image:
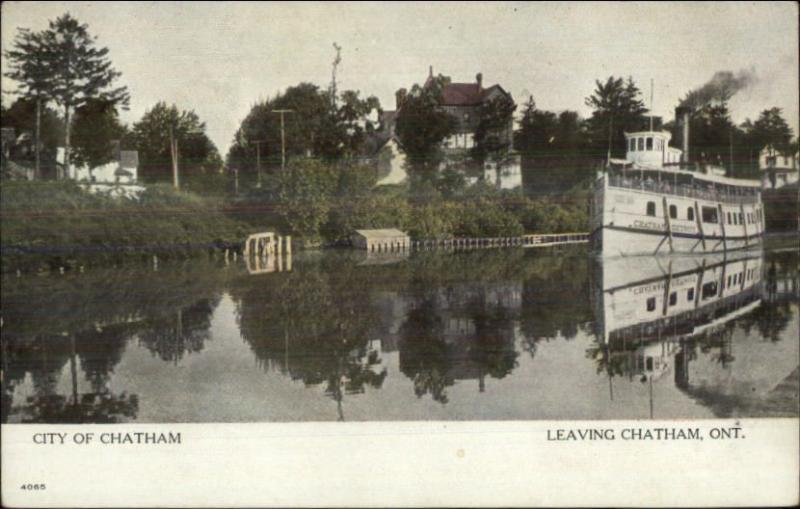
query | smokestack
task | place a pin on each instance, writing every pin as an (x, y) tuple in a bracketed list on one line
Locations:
[(479, 80), (430, 71), (682, 114)]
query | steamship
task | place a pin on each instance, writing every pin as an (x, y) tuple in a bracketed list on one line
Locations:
[(655, 201)]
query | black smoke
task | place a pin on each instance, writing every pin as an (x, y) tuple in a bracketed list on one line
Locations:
[(722, 86)]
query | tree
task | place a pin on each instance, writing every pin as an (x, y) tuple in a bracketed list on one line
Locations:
[(422, 126), (617, 108), (771, 129), (79, 72), (95, 129), (320, 127), (22, 116), (29, 66), (151, 135), (553, 149), (493, 134), (304, 195)]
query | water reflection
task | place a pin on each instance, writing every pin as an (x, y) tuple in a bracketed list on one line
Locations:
[(685, 319), (488, 334)]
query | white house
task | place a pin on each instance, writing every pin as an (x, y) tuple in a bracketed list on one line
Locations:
[(778, 169), (117, 177)]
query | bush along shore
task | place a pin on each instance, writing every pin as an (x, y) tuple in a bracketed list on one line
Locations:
[(55, 225), (49, 225)]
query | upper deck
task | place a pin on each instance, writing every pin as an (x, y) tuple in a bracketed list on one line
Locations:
[(652, 165)]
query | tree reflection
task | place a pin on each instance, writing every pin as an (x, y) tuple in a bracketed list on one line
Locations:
[(314, 324), (461, 333), (182, 332)]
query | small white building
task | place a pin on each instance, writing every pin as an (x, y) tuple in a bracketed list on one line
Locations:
[(778, 169), (383, 240)]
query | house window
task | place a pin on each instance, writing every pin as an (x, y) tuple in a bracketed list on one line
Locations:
[(709, 215), (641, 143), (673, 298), (690, 294), (673, 212), (690, 214), (651, 208), (649, 143), (651, 304), (632, 145)]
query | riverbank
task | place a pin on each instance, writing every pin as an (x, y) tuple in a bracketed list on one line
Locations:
[(50, 225), (58, 225)]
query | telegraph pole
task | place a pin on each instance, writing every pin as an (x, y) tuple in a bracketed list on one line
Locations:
[(283, 137), (258, 160)]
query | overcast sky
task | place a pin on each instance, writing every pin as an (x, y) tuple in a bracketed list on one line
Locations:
[(219, 58)]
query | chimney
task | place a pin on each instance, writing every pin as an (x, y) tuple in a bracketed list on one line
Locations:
[(479, 79), (399, 98), (682, 114)]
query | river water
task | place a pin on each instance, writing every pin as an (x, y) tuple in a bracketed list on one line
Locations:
[(339, 335)]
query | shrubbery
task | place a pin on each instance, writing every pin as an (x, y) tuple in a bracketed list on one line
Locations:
[(58, 223)]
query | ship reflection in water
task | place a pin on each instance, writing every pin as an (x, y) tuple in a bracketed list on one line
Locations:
[(484, 335), (687, 319)]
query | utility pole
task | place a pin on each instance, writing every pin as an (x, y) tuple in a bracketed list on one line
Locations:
[(283, 137), (173, 151), (258, 161)]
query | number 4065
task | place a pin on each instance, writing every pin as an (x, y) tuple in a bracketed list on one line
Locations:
[(33, 487)]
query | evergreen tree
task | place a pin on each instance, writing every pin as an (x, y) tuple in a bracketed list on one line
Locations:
[(80, 71)]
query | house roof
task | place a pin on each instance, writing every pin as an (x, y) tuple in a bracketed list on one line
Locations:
[(382, 233), (461, 94)]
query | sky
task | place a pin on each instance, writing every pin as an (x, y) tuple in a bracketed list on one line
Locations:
[(219, 58)]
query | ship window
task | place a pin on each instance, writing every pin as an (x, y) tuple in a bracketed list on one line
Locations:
[(649, 143), (651, 304), (729, 218), (673, 212), (709, 215), (649, 364), (633, 145), (709, 290), (651, 208), (729, 281), (741, 218), (690, 295), (735, 218), (673, 298), (641, 143), (690, 214)]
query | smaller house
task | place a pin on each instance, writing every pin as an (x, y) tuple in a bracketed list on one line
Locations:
[(383, 240), (778, 169)]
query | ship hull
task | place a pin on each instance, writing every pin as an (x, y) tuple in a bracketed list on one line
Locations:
[(633, 222)]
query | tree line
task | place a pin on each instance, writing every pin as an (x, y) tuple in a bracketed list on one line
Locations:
[(69, 95)]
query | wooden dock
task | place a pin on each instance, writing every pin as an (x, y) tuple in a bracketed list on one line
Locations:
[(532, 240)]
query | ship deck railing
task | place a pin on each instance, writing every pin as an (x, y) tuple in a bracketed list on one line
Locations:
[(683, 190)]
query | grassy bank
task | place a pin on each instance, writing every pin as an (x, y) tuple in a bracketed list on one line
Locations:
[(47, 225)]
